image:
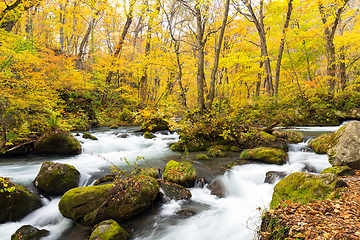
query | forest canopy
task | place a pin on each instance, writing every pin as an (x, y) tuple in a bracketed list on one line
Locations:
[(74, 64)]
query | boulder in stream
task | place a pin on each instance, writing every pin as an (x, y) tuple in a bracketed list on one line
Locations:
[(56, 178), (339, 171), (58, 142), (16, 201), (266, 155), (87, 135), (172, 191), (217, 188), (28, 232), (273, 176), (109, 230), (320, 144), (304, 187), (120, 200), (344, 146), (182, 173), (289, 136)]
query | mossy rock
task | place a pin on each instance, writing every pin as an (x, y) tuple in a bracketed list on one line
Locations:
[(114, 126), (121, 200), (202, 157), (16, 201), (320, 144), (151, 172), (56, 178), (109, 230), (339, 171), (190, 146), (289, 136), (266, 155), (213, 152), (28, 232), (182, 173), (294, 136), (58, 142), (235, 149), (87, 135), (173, 191), (305, 187), (149, 135), (155, 124)]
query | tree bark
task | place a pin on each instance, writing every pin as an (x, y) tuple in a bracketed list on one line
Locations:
[(211, 95), (281, 48), (118, 47)]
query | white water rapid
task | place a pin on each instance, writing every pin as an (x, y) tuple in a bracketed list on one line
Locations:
[(237, 216)]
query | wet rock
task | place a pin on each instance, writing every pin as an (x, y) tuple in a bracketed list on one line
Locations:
[(306, 149), (171, 191), (216, 188), (56, 178), (344, 146), (78, 232), (266, 155), (120, 200), (16, 201), (58, 142), (304, 187), (87, 135), (273, 142), (308, 168), (114, 126), (289, 136), (123, 135), (106, 179), (109, 230), (28, 232), (273, 176), (186, 213), (339, 171), (21, 149), (182, 173)]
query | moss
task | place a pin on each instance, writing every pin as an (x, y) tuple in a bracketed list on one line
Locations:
[(108, 178), (149, 135), (109, 230), (294, 136), (272, 227), (87, 135), (268, 137), (28, 232), (304, 187), (190, 146), (155, 124), (16, 201), (216, 153), (58, 142), (182, 173), (267, 155), (114, 126), (235, 149), (151, 172), (339, 171), (321, 143), (202, 157), (335, 137)]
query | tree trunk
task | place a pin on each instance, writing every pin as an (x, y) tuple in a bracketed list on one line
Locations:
[(211, 95), (129, 19), (281, 48), (200, 44)]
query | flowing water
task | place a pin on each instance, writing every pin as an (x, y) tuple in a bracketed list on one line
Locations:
[(236, 216)]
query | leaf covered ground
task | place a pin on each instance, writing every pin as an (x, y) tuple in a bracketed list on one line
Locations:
[(337, 219)]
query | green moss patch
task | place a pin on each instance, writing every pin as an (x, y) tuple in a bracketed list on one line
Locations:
[(202, 157), (182, 173), (149, 135), (339, 171), (266, 155), (294, 136), (321, 143), (305, 187), (87, 135), (58, 142), (109, 230)]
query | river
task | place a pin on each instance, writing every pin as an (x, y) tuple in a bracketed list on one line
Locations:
[(236, 216)]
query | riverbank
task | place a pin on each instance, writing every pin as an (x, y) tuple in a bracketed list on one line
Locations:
[(330, 219)]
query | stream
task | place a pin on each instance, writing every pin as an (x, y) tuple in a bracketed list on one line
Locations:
[(236, 216)]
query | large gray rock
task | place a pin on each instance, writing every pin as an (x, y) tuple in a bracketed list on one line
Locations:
[(109, 230), (120, 200), (56, 178), (344, 146), (15, 201), (172, 191)]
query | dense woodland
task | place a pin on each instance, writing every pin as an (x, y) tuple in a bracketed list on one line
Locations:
[(73, 64)]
